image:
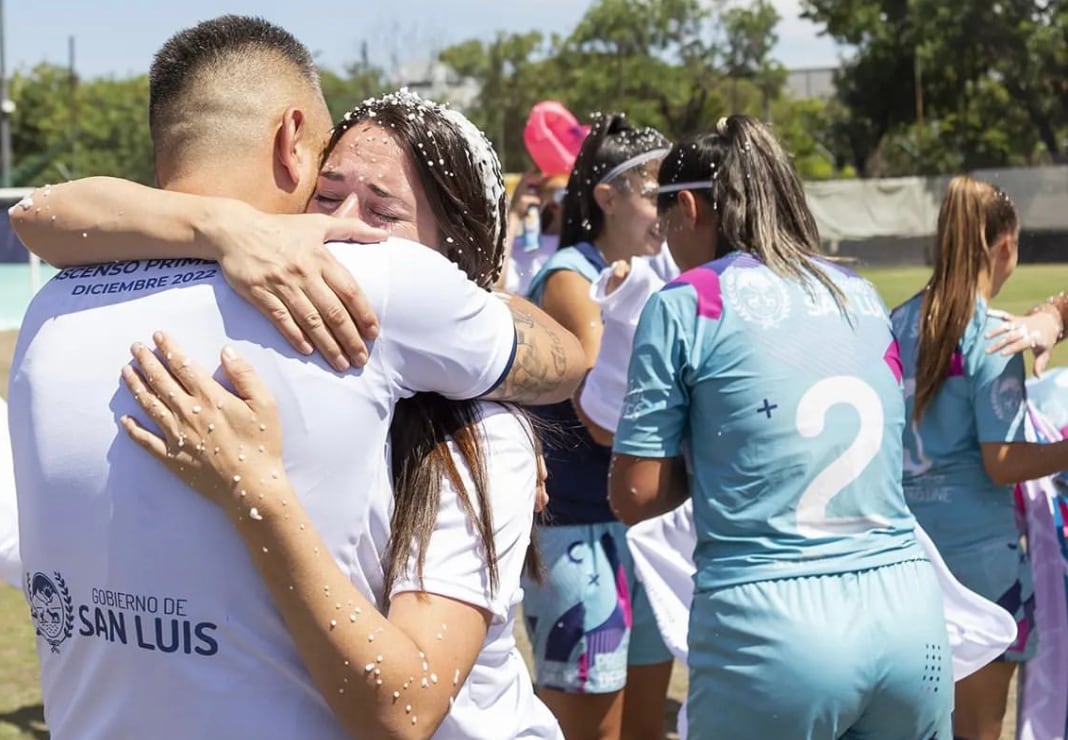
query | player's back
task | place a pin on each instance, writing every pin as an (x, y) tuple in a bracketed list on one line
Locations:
[(152, 619), (982, 399), (795, 423)]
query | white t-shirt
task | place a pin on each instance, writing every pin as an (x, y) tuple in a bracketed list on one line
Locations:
[(497, 701), (152, 619), (663, 264), (10, 568), (606, 385), (523, 265)]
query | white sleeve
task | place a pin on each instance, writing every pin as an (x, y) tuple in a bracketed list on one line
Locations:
[(442, 332), (10, 565), (456, 565), (606, 385), (663, 264)]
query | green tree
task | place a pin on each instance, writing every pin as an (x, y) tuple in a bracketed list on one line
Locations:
[(514, 74), (1022, 44), (63, 128), (749, 38), (359, 80), (940, 87), (658, 60), (677, 65)]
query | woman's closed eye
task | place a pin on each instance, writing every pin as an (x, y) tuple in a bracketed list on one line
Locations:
[(383, 216), (328, 201)]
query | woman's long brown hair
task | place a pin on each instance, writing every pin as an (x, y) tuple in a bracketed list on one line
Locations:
[(424, 424), (975, 215)]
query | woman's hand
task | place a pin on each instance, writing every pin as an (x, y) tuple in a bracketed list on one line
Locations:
[(1038, 332), (212, 439), (279, 265)]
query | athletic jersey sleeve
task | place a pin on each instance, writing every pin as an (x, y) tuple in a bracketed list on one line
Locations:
[(656, 407), (996, 384), (442, 332), (456, 563)]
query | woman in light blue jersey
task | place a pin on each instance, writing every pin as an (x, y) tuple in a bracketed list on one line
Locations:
[(964, 444), (765, 384), (590, 623)]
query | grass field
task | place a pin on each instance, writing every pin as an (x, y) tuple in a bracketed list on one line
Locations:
[(21, 716)]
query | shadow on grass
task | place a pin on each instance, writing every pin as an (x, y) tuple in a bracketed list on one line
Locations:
[(29, 719)]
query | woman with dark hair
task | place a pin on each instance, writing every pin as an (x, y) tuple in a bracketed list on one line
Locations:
[(965, 446), (589, 622), (764, 383), (443, 562)]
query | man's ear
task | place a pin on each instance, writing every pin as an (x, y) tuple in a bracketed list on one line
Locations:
[(291, 145)]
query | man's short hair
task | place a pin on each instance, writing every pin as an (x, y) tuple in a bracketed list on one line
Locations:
[(230, 50)]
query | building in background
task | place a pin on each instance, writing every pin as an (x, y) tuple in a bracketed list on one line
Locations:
[(814, 82), (435, 80)]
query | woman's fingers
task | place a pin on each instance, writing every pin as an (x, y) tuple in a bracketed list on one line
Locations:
[(1041, 362), (157, 378), (247, 384), (146, 439), (197, 383), (349, 292), (310, 319), (271, 306), (338, 227), (158, 411)]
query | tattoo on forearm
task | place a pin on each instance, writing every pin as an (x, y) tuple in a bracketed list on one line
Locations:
[(540, 361)]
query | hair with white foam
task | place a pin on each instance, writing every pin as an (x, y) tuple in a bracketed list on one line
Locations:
[(478, 147), (460, 174), (485, 158)]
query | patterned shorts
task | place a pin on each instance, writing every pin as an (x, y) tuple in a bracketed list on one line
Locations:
[(590, 619)]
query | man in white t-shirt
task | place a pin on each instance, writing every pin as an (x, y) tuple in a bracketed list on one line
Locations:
[(151, 619)]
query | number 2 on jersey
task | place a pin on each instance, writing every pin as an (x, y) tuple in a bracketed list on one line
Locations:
[(812, 518)]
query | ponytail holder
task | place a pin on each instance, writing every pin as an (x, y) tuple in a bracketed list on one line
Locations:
[(721, 126)]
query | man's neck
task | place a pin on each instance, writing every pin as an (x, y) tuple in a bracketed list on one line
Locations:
[(242, 188)]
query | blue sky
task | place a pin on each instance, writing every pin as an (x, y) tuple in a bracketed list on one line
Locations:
[(118, 37)]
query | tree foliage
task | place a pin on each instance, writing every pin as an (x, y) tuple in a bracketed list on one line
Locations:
[(63, 127), (926, 86), (677, 65), (943, 87)]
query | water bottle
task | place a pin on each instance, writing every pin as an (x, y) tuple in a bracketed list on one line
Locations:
[(532, 228)]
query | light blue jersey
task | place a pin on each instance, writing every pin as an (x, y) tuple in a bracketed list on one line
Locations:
[(792, 416), (981, 400)]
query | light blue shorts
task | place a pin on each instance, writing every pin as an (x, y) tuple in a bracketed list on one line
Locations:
[(854, 655), (1001, 572), (590, 619)]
